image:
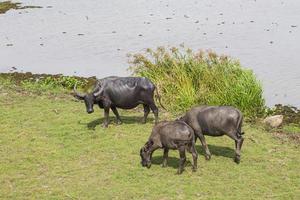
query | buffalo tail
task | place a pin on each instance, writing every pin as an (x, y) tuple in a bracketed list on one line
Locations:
[(159, 98)]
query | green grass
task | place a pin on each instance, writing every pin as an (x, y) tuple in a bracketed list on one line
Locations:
[(291, 128), (51, 149), (186, 78)]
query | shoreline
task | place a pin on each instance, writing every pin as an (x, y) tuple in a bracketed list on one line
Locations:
[(291, 113)]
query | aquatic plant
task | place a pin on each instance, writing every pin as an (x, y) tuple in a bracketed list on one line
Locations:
[(186, 78), (7, 5)]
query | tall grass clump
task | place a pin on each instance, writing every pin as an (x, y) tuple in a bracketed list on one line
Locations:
[(186, 78)]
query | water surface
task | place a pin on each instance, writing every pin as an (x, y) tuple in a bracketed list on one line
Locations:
[(93, 37)]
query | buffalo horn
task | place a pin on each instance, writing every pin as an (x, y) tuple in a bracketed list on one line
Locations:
[(77, 93)]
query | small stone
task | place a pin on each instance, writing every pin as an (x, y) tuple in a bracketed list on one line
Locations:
[(273, 121)]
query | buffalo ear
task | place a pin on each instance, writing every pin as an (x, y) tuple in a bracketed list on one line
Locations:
[(148, 145)]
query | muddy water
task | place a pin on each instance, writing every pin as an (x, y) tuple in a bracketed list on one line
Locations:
[(92, 37)]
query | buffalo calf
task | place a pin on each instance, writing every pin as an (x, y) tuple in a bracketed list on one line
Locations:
[(170, 135)]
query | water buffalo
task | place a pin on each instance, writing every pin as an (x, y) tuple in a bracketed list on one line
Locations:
[(121, 92), (170, 135), (216, 121)]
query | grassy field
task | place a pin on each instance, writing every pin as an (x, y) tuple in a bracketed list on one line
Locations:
[(51, 149)]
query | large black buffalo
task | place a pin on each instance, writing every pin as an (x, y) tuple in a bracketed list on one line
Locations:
[(216, 121), (170, 135), (121, 92)]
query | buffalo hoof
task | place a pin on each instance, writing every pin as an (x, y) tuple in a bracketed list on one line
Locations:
[(104, 125), (179, 171), (194, 169), (144, 121), (207, 157), (164, 165), (237, 159), (119, 122)]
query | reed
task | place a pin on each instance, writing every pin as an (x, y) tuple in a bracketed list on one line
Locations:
[(186, 78)]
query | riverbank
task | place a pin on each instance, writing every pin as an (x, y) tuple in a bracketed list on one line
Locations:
[(59, 84), (51, 149)]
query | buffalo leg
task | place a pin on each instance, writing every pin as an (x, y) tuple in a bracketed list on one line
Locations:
[(155, 111), (115, 111), (204, 145), (165, 158), (238, 145), (106, 117), (195, 156), (182, 158), (146, 112)]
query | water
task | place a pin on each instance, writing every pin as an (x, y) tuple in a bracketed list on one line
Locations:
[(93, 37)]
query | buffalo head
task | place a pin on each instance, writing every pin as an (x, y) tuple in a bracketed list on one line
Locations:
[(146, 154), (89, 100)]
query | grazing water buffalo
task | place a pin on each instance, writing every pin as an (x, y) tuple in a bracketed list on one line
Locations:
[(170, 135), (216, 121), (121, 92)]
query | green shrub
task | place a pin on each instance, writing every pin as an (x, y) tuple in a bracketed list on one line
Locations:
[(186, 78)]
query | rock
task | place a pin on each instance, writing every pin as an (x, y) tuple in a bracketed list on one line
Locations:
[(273, 121)]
